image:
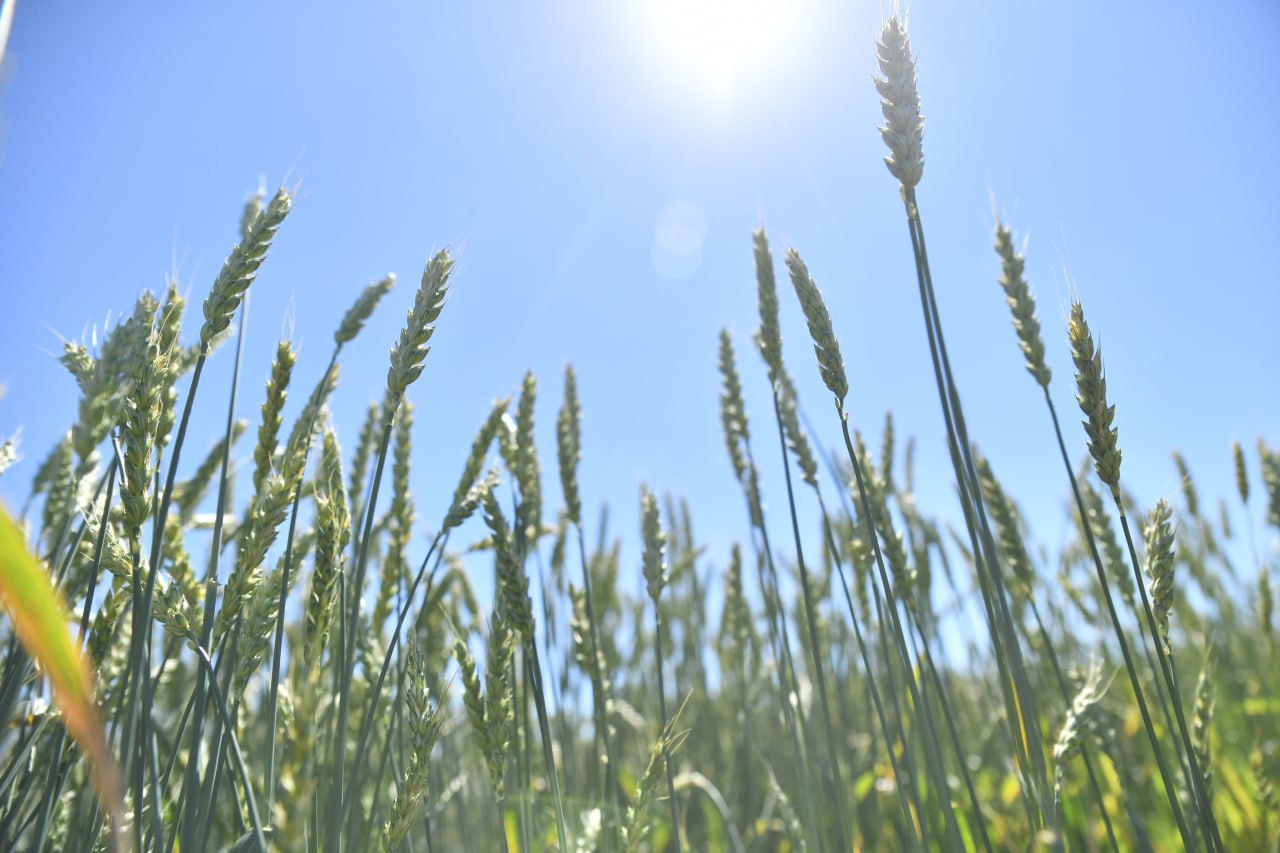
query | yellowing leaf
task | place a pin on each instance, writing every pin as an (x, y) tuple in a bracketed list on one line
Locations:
[(40, 620)]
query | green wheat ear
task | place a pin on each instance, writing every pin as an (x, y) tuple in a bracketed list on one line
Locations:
[(241, 267), (733, 412), (1159, 564), (569, 445), (1202, 721), (825, 345), (655, 545), (362, 309), (1092, 396), (409, 354), (769, 337), (1022, 304), (903, 130), (277, 391), (1242, 471)]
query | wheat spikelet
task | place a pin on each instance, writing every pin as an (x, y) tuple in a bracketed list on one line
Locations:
[(1022, 305), (1092, 396), (1189, 493), (1083, 720), (272, 406), (569, 445), (513, 583), (362, 309), (333, 532), (524, 461), (79, 362), (1158, 565), (733, 412), (169, 326), (1271, 480), (410, 351), (258, 626), (1242, 472), (142, 420), (769, 336), (886, 453), (1008, 529), (654, 560), (240, 269), (425, 726), (903, 130), (251, 211), (637, 824), (825, 345), (1202, 720)]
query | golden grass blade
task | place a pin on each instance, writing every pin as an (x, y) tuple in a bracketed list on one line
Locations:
[(40, 619)]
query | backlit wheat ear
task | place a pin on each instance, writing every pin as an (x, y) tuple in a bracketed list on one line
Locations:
[(733, 413), (240, 268), (277, 391), (735, 622), (655, 545), (1187, 484), (143, 406), (362, 309), (769, 339), (425, 725), (527, 470), (1158, 538), (1008, 529), (169, 327), (333, 532), (410, 351), (1023, 306), (1082, 720), (1202, 720), (903, 130), (569, 445), (256, 630), (1271, 480), (513, 583), (1092, 396), (825, 345), (1242, 472)]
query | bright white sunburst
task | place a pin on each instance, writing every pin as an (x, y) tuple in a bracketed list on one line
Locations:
[(717, 47)]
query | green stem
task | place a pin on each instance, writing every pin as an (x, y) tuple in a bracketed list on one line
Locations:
[(838, 794), (932, 755), (662, 730)]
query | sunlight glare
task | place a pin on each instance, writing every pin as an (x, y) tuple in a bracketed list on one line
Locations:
[(716, 47)]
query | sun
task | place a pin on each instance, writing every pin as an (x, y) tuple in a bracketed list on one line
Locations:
[(717, 48)]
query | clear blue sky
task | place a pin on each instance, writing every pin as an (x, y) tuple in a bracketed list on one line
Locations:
[(599, 170)]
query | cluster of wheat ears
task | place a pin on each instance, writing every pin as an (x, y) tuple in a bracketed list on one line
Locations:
[(292, 671)]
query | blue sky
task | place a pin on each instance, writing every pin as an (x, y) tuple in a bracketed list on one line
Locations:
[(599, 168)]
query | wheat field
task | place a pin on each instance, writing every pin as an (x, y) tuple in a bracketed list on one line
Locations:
[(266, 644)]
